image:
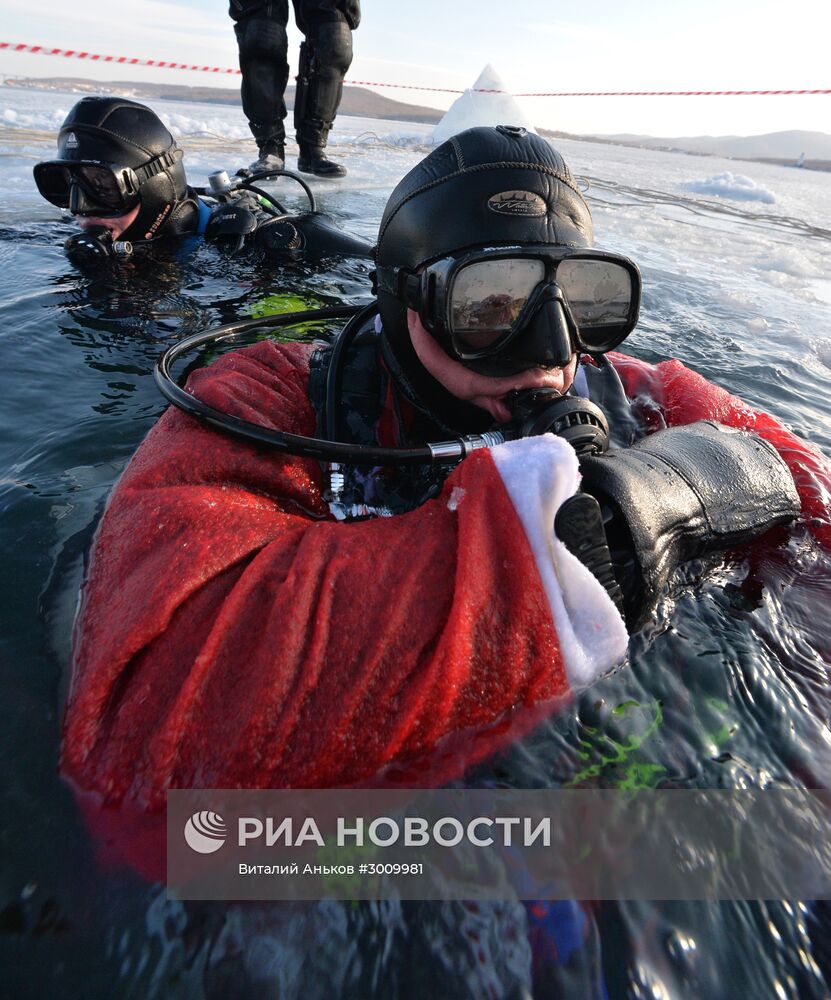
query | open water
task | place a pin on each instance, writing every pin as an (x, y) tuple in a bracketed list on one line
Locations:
[(729, 686)]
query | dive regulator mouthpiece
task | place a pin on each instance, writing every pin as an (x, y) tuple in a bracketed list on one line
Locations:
[(95, 244), (573, 418)]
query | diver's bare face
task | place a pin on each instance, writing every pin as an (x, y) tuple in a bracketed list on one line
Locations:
[(484, 391), (118, 225)]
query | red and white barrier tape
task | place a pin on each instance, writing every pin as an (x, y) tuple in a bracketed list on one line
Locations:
[(673, 93), (43, 50), (165, 64)]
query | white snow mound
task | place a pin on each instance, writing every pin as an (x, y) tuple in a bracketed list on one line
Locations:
[(735, 186), (487, 102)]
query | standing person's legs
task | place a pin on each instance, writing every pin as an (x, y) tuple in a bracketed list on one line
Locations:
[(263, 45), (325, 56)]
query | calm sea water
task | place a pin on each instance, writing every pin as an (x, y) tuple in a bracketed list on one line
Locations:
[(728, 688)]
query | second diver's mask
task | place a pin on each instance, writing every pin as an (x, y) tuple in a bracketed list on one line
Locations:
[(90, 187), (502, 310)]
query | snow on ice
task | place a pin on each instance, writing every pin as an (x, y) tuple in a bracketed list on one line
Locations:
[(735, 186)]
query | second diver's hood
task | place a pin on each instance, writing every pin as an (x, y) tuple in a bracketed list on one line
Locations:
[(123, 133)]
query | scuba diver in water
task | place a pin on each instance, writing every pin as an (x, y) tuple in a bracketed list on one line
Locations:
[(120, 173), (225, 598), (375, 610), (325, 56)]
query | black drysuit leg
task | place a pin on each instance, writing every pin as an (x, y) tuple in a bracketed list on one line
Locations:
[(263, 47), (325, 57)]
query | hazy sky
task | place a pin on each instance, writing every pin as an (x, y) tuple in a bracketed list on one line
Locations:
[(535, 45)]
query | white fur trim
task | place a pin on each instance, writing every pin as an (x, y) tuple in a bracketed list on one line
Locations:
[(539, 473)]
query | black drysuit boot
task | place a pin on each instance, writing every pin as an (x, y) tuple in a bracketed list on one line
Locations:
[(313, 160)]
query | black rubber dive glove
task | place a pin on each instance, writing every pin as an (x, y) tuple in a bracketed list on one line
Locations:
[(679, 494)]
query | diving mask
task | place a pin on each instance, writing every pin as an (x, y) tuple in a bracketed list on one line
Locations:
[(92, 187), (486, 304)]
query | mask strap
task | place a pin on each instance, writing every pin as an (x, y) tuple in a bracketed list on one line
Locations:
[(158, 164), (400, 283)]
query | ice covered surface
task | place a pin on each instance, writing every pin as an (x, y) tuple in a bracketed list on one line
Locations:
[(478, 106), (735, 186), (46, 118)]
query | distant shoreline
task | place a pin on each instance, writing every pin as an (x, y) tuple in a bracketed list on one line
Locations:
[(824, 165), (359, 102)]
